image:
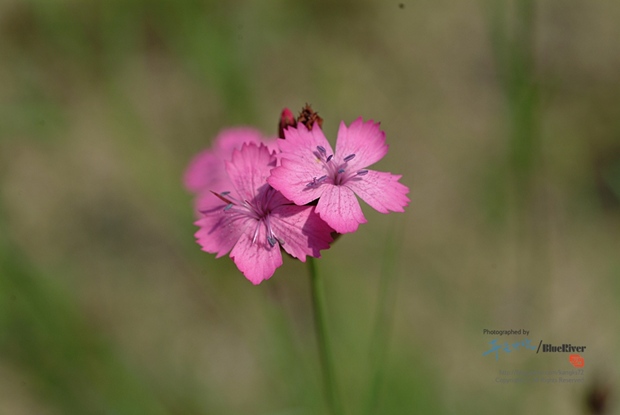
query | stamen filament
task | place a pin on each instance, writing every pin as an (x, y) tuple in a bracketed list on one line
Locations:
[(222, 198), (256, 232)]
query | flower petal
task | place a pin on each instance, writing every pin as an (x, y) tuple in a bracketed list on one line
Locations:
[(254, 257), (364, 139), (204, 200), (248, 170), (380, 190), (292, 179), (202, 171), (207, 168), (339, 207), (301, 230), (300, 144), (219, 231)]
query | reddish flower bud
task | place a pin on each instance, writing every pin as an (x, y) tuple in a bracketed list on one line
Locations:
[(287, 119)]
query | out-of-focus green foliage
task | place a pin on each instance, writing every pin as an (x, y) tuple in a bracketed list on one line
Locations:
[(502, 117)]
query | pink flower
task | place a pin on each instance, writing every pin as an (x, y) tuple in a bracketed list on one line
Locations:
[(252, 220), (310, 170), (207, 171)]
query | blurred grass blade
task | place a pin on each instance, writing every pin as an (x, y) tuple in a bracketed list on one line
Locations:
[(380, 338)]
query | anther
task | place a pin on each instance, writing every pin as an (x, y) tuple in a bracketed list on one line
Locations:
[(226, 193), (321, 150), (340, 171), (362, 172), (329, 158), (349, 157), (271, 240), (228, 207), (316, 181)]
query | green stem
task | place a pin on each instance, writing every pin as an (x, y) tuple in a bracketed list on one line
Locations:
[(318, 308)]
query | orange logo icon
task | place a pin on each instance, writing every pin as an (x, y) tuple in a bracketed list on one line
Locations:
[(576, 360)]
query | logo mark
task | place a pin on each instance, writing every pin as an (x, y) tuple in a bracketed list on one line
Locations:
[(576, 360)]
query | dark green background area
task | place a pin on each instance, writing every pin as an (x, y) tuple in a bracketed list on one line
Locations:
[(503, 117)]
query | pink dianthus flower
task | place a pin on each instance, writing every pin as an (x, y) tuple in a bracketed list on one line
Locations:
[(253, 221), (310, 170)]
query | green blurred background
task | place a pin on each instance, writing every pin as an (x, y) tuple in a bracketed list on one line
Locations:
[(503, 118)]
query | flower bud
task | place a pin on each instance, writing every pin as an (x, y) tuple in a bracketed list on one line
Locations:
[(287, 119)]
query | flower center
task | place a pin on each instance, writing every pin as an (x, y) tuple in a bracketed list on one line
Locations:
[(336, 173), (257, 210)]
